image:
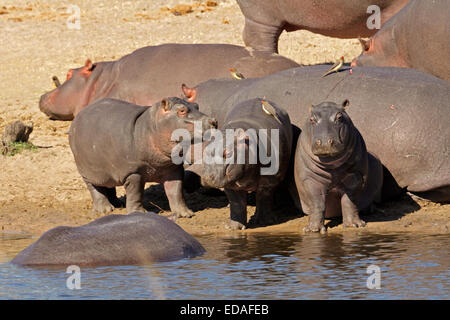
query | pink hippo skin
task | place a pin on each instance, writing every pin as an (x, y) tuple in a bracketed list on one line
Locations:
[(151, 73), (417, 37), (266, 19)]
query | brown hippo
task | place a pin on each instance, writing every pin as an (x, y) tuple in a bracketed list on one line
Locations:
[(136, 238), (401, 113), (417, 37), (334, 173), (266, 19), (149, 74), (117, 143)]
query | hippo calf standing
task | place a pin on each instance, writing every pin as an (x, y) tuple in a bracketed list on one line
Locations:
[(116, 143), (333, 169), (136, 238), (256, 158), (414, 38)]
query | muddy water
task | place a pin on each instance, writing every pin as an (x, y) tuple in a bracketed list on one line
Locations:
[(255, 266)]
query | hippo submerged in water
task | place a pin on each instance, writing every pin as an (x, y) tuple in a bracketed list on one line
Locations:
[(116, 143), (266, 19), (417, 37), (136, 238), (334, 173), (401, 113), (149, 74)]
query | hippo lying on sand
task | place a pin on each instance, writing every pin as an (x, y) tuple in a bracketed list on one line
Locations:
[(417, 37), (151, 73), (334, 173), (136, 238), (262, 142), (266, 19), (116, 143), (401, 113)]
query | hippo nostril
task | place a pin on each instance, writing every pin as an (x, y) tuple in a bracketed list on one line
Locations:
[(330, 141), (318, 142)]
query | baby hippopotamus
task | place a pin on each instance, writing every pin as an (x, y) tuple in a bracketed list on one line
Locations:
[(117, 143), (253, 156), (334, 173)]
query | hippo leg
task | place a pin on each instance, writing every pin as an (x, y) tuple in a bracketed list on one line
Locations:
[(101, 198), (174, 191), (238, 209), (260, 36), (134, 188), (313, 200), (350, 215), (264, 204)]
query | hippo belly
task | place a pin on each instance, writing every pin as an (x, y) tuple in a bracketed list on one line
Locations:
[(265, 20), (136, 238)]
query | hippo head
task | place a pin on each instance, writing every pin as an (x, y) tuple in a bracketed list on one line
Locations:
[(329, 129), (176, 120), (376, 52), (66, 100), (226, 162)]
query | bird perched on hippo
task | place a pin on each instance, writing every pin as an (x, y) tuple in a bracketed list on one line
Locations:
[(149, 74)]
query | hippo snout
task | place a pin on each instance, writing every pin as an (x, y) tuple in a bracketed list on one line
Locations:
[(45, 107), (326, 147)]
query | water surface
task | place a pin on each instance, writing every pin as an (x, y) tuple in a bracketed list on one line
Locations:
[(254, 266)]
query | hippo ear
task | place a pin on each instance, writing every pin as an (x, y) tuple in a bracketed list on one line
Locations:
[(165, 104), (345, 104), (88, 67), (190, 93), (311, 107), (364, 44)]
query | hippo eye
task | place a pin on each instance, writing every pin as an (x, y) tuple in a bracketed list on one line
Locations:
[(313, 120), (338, 117), (182, 111)]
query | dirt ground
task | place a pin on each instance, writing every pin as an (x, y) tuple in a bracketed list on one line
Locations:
[(42, 189)]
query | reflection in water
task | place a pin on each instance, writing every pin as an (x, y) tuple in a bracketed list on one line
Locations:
[(255, 266)]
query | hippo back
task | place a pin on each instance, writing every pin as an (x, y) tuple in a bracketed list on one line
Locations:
[(401, 113), (136, 238)]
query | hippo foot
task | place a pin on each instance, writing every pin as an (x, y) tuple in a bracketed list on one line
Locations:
[(102, 206), (234, 225), (256, 221), (185, 213), (137, 209), (355, 223), (315, 228)]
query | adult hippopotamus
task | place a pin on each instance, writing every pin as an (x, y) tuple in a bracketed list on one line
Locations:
[(266, 19), (151, 73), (250, 153), (334, 173), (414, 38), (401, 113), (136, 238), (117, 143)]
